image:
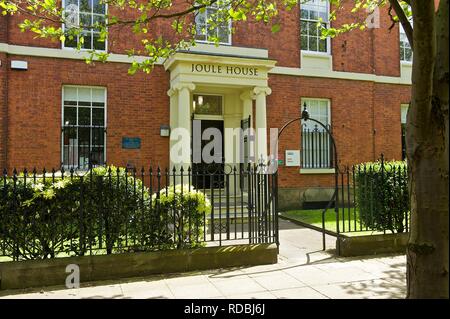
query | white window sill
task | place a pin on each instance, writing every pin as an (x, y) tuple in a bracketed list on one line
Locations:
[(228, 49), (317, 170), (316, 54), (316, 61), (213, 43), (82, 49)]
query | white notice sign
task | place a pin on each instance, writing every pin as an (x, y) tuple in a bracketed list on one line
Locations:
[(292, 157)]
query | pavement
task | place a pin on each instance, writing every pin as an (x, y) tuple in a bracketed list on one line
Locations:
[(303, 271)]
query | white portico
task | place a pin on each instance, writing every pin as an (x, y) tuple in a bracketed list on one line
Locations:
[(229, 84)]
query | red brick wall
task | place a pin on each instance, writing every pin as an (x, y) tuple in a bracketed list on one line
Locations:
[(136, 107), (357, 109), (370, 51), (283, 46), (387, 118), (374, 50)]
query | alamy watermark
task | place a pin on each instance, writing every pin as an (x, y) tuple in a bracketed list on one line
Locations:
[(73, 279)]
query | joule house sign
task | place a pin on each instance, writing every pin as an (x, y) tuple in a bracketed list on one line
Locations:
[(223, 69)]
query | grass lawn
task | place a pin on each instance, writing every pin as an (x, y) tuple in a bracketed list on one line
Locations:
[(314, 218)]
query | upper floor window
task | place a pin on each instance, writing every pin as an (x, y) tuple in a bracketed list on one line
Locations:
[(89, 15), (314, 15), (316, 145), (210, 25), (405, 48), (83, 127)]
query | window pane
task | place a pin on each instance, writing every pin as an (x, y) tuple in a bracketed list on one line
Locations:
[(98, 20), (84, 94), (97, 157), (70, 135), (70, 93), (304, 14), (208, 104), (223, 34), (408, 55), (85, 19), (98, 95), (84, 137), (85, 5), (98, 117), (98, 137), (84, 116), (87, 44), (312, 28), (99, 7), (70, 43), (322, 45), (98, 44), (70, 116), (313, 43), (304, 43), (304, 27)]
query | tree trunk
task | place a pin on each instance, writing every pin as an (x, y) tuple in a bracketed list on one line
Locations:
[(427, 153)]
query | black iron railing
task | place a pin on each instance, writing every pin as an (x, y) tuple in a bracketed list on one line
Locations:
[(372, 197), (83, 146), (316, 147), (107, 210)]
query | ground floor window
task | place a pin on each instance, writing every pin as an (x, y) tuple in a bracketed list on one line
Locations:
[(404, 111), (316, 142), (83, 127)]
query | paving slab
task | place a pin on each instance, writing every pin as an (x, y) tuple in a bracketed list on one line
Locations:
[(303, 271)]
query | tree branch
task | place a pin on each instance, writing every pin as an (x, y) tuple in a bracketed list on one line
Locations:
[(403, 20), (166, 16)]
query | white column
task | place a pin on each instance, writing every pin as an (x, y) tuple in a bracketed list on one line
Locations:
[(173, 95), (261, 122), (247, 104), (183, 109)]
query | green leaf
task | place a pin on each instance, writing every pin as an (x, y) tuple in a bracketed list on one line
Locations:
[(275, 28)]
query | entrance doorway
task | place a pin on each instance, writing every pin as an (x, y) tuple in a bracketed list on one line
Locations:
[(210, 174)]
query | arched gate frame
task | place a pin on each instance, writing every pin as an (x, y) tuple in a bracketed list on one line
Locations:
[(335, 198)]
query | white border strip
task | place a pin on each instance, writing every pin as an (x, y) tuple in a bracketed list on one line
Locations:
[(339, 75), (66, 54)]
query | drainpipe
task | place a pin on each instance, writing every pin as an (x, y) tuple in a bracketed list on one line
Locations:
[(4, 103)]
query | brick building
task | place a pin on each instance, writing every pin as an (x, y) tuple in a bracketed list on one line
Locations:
[(56, 110)]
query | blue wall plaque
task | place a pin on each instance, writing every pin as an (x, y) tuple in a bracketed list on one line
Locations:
[(131, 142)]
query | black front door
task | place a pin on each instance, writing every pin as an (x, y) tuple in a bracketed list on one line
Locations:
[(207, 174)]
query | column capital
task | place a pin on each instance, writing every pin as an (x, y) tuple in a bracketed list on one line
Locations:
[(183, 85), (247, 95), (262, 90), (171, 92)]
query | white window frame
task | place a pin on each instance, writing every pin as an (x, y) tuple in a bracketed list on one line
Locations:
[(84, 49), (402, 34), (328, 39), (63, 124), (229, 42), (328, 122)]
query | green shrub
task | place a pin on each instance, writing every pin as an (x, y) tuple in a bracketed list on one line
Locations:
[(106, 210), (183, 210), (381, 195), (35, 217)]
